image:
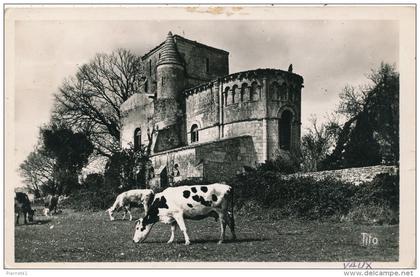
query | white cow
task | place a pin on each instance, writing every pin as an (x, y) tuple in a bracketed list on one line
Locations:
[(174, 204), (140, 196)]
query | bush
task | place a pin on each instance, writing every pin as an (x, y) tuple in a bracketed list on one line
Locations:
[(86, 200), (307, 198)]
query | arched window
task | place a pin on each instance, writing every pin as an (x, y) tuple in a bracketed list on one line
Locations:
[(175, 171), (137, 139), (254, 92), (244, 92), (283, 92), (234, 89), (285, 130), (275, 91), (226, 95), (194, 133)]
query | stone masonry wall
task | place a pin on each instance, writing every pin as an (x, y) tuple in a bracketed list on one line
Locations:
[(137, 111), (356, 175), (217, 161), (202, 109)]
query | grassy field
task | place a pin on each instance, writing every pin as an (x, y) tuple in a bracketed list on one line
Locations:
[(91, 237)]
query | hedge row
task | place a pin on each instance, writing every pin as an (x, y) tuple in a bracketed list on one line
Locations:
[(307, 198)]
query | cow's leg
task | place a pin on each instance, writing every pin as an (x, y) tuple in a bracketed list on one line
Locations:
[(146, 208), (173, 228), (125, 211), (115, 207), (17, 218), (24, 218), (231, 224), (180, 220), (222, 218), (127, 208)]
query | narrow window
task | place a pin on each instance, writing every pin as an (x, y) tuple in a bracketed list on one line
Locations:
[(254, 92), (226, 95), (285, 130), (146, 86), (150, 67), (137, 139), (207, 65), (194, 133), (234, 88)]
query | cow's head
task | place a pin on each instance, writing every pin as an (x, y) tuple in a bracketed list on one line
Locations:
[(141, 230), (31, 213)]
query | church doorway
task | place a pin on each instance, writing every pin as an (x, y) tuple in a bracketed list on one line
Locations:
[(285, 130)]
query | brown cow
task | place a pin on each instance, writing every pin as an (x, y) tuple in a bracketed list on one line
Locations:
[(23, 206)]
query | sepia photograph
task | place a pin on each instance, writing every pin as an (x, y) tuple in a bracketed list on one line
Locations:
[(203, 136)]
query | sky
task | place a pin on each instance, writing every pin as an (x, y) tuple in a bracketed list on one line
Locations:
[(329, 54)]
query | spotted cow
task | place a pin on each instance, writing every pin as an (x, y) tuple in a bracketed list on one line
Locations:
[(23, 206), (125, 199), (175, 204)]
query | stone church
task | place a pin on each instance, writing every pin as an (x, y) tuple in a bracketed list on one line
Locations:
[(201, 121)]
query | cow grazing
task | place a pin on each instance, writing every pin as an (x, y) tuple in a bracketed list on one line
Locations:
[(51, 203), (175, 204), (23, 206), (139, 196)]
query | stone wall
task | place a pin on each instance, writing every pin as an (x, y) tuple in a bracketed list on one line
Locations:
[(202, 110), (356, 175), (195, 55), (212, 162), (137, 112)]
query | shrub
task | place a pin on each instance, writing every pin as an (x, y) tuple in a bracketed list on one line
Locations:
[(87, 200), (307, 198)]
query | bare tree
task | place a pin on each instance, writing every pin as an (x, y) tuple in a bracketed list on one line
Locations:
[(37, 171), (352, 101), (90, 101), (318, 142)]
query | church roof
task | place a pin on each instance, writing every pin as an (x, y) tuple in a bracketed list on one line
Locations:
[(180, 38), (169, 54)]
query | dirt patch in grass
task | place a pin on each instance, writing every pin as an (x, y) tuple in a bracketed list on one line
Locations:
[(92, 237)]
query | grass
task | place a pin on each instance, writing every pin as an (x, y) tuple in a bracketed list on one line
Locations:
[(92, 237)]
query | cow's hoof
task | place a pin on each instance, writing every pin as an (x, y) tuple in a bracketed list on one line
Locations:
[(170, 241), (112, 219), (187, 243), (220, 242)]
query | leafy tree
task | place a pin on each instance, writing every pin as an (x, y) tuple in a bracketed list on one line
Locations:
[(90, 101), (371, 133), (128, 169), (70, 151)]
